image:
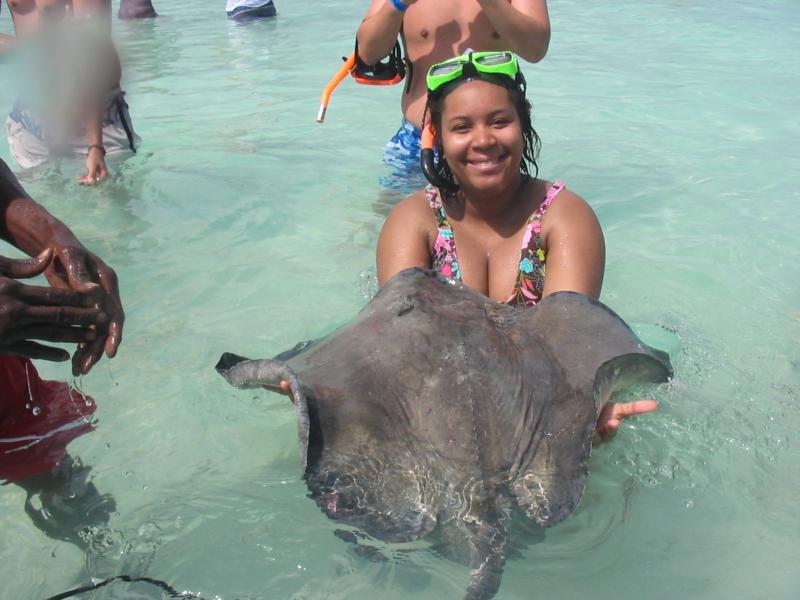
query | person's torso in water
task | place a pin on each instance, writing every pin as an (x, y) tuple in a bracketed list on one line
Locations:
[(64, 63), (444, 29)]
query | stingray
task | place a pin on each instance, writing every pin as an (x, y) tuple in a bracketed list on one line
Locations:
[(437, 408)]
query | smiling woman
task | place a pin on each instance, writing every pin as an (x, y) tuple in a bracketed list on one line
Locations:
[(489, 222)]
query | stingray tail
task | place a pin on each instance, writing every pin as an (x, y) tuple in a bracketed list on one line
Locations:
[(487, 557), (244, 373)]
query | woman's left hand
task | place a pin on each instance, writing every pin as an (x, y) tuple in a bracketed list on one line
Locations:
[(613, 413)]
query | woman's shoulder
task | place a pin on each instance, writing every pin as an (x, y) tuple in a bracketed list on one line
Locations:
[(412, 216), (560, 201), (407, 237), (567, 213), (415, 207)]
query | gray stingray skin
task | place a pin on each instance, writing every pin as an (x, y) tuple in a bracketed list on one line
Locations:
[(438, 407)]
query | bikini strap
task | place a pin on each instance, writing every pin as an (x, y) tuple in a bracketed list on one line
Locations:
[(534, 225), (444, 258), (530, 278), (435, 202), (551, 193)]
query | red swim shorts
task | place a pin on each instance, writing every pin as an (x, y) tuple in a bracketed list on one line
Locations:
[(38, 419)]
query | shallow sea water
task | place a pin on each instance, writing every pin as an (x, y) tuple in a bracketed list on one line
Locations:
[(241, 225)]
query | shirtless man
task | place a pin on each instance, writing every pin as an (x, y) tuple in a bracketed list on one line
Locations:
[(26, 14), (91, 116), (435, 30)]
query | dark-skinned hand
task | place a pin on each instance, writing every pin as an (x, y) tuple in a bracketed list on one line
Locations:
[(30, 312), (74, 268)]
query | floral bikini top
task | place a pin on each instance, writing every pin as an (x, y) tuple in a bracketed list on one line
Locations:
[(530, 279)]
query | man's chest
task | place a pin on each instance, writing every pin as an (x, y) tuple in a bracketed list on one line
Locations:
[(436, 30)]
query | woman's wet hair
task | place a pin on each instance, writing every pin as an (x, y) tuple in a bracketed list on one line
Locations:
[(531, 142)]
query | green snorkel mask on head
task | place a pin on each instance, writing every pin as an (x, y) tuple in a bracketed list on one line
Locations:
[(500, 68)]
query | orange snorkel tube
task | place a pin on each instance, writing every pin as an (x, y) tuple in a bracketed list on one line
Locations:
[(381, 73), (346, 68), (427, 159)]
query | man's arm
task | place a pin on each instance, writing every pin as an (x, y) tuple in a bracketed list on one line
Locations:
[(378, 31), (28, 226), (23, 222), (29, 313), (524, 24)]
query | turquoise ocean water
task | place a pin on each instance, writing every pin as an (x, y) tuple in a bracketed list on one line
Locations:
[(241, 225)]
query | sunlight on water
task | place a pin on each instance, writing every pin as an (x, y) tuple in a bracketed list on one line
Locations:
[(243, 226)]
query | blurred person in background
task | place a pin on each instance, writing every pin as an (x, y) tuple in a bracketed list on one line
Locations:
[(71, 102)]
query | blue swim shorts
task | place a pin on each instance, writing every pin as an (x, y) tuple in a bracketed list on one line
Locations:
[(402, 155)]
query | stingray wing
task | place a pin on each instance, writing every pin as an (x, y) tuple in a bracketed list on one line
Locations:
[(584, 334), (595, 353)]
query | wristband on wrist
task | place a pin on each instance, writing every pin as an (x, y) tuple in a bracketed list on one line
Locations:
[(399, 5), (99, 147)]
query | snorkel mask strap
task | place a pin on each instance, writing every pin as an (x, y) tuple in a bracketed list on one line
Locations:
[(388, 72), (522, 84), (427, 159)]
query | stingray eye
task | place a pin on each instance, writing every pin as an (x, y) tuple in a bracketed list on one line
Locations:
[(406, 306)]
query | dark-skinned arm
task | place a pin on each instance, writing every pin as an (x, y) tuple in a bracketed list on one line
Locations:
[(78, 277)]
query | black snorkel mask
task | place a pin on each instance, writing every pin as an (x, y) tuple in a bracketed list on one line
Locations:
[(390, 71)]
